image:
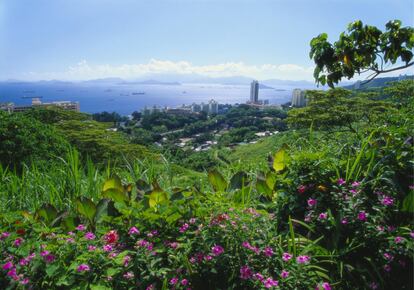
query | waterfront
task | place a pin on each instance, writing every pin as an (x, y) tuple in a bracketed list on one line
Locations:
[(126, 98)]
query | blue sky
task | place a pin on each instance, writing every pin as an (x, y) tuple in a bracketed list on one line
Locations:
[(83, 39)]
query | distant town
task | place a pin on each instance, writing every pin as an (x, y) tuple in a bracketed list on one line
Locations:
[(211, 107)]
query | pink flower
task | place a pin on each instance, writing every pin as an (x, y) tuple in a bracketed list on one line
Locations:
[(323, 216), (246, 245), (325, 286), (268, 252), (174, 281), (111, 237), (286, 257), (184, 228), (70, 240), (412, 235), (398, 240), (387, 268), (174, 245), (284, 274), (23, 262), (217, 250), (128, 275), (355, 184), (4, 235), (184, 282), (373, 285), (344, 221), (308, 218), (303, 259), (44, 253), (192, 220), (107, 248), (301, 188), (17, 242), (25, 281), (245, 272), (7, 266), (208, 258), (258, 276), (387, 200), (89, 236), (269, 283), (13, 274), (341, 181), (312, 202), (126, 261), (81, 227), (49, 258), (83, 268), (91, 248), (362, 216), (133, 231), (388, 256)]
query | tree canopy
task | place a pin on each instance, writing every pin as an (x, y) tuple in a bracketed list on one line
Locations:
[(362, 48)]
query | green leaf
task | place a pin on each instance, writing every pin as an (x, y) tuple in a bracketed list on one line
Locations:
[(263, 188), (157, 196), (115, 194), (408, 203), (113, 183), (217, 181), (86, 207), (101, 209), (47, 213), (280, 159), (239, 181), (69, 223)]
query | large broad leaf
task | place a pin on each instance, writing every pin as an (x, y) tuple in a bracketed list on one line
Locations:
[(217, 180), (101, 209), (115, 194), (157, 196), (263, 189), (47, 213), (239, 180), (408, 203), (113, 183), (114, 189), (271, 180), (280, 159), (143, 188), (69, 223), (86, 207)]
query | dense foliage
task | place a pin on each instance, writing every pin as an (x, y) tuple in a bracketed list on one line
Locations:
[(362, 48)]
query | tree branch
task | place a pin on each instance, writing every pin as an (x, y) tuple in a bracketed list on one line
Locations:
[(378, 72)]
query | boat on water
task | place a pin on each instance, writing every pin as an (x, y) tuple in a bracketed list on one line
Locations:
[(31, 97), (138, 93)]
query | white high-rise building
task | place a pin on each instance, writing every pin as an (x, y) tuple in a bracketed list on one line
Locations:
[(298, 98), (254, 92), (212, 107)]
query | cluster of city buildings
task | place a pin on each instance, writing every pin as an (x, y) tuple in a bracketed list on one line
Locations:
[(37, 103), (211, 107)]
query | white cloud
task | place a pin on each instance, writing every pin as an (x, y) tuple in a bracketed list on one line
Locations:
[(83, 70)]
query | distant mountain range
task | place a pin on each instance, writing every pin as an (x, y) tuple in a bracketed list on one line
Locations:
[(178, 79), (377, 82)]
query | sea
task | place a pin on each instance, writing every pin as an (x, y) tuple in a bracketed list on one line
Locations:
[(127, 98)]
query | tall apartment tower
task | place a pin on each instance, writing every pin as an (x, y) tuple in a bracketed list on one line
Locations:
[(254, 92), (298, 98)]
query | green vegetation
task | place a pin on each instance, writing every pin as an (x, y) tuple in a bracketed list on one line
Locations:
[(361, 49)]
